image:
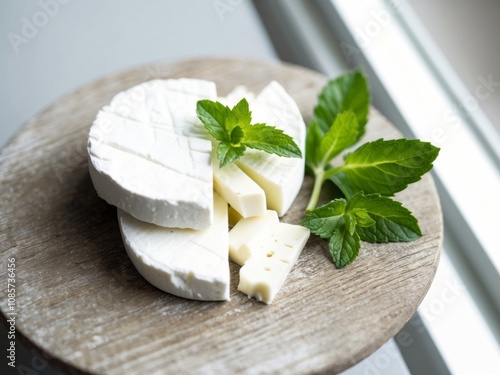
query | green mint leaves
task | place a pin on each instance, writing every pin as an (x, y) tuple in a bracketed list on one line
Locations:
[(370, 217), (235, 133), (368, 177)]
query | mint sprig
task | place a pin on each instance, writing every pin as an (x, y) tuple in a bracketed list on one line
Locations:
[(368, 177), (370, 217), (233, 129)]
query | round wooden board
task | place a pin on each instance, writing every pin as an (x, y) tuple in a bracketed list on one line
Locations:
[(80, 300)]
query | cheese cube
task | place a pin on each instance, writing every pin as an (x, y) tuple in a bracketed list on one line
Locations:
[(267, 251), (239, 190), (247, 234)]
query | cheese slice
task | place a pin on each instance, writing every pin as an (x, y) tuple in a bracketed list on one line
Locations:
[(184, 262), (266, 258), (150, 156), (239, 190), (247, 235), (280, 177)]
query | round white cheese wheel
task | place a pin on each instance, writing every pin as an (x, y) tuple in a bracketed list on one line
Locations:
[(149, 154)]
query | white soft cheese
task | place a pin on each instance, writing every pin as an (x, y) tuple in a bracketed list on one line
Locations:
[(184, 262), (150, 156), (280, 177), (240, 191), (267, 250), (163, 102), (248, 233)]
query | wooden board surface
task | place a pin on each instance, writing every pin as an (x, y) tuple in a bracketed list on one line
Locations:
[(80, 300)]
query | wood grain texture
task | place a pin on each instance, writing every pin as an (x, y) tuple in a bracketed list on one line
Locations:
[(81, 301)]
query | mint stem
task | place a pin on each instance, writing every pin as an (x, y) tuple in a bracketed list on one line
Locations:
[(318, 183), (327, 174)]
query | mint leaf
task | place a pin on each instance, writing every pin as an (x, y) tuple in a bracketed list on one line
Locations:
[(357, 217), (384, 167), (325, 220), (232, 128), (350, 222), (227, 153), (393, 222), (347, 92), (332, 222), (313, 139), (241, 113), (236, 135), (343, 183), (363, 218), (344, 247), (339, 221), (213, 115), (271, 140), (342, 134)]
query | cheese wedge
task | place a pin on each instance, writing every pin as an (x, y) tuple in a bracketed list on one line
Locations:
[(281, 178), (187, 263)]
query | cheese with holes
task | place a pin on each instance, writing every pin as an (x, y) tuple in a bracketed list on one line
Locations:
[(280, 177), (247, 234), (150, 156), (267, 251), (188, 263)]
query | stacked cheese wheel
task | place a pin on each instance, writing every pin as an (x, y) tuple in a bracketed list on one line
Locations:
[(150, 156)]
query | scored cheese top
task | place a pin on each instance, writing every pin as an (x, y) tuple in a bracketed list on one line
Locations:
[(150, 155), (170, 102)]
